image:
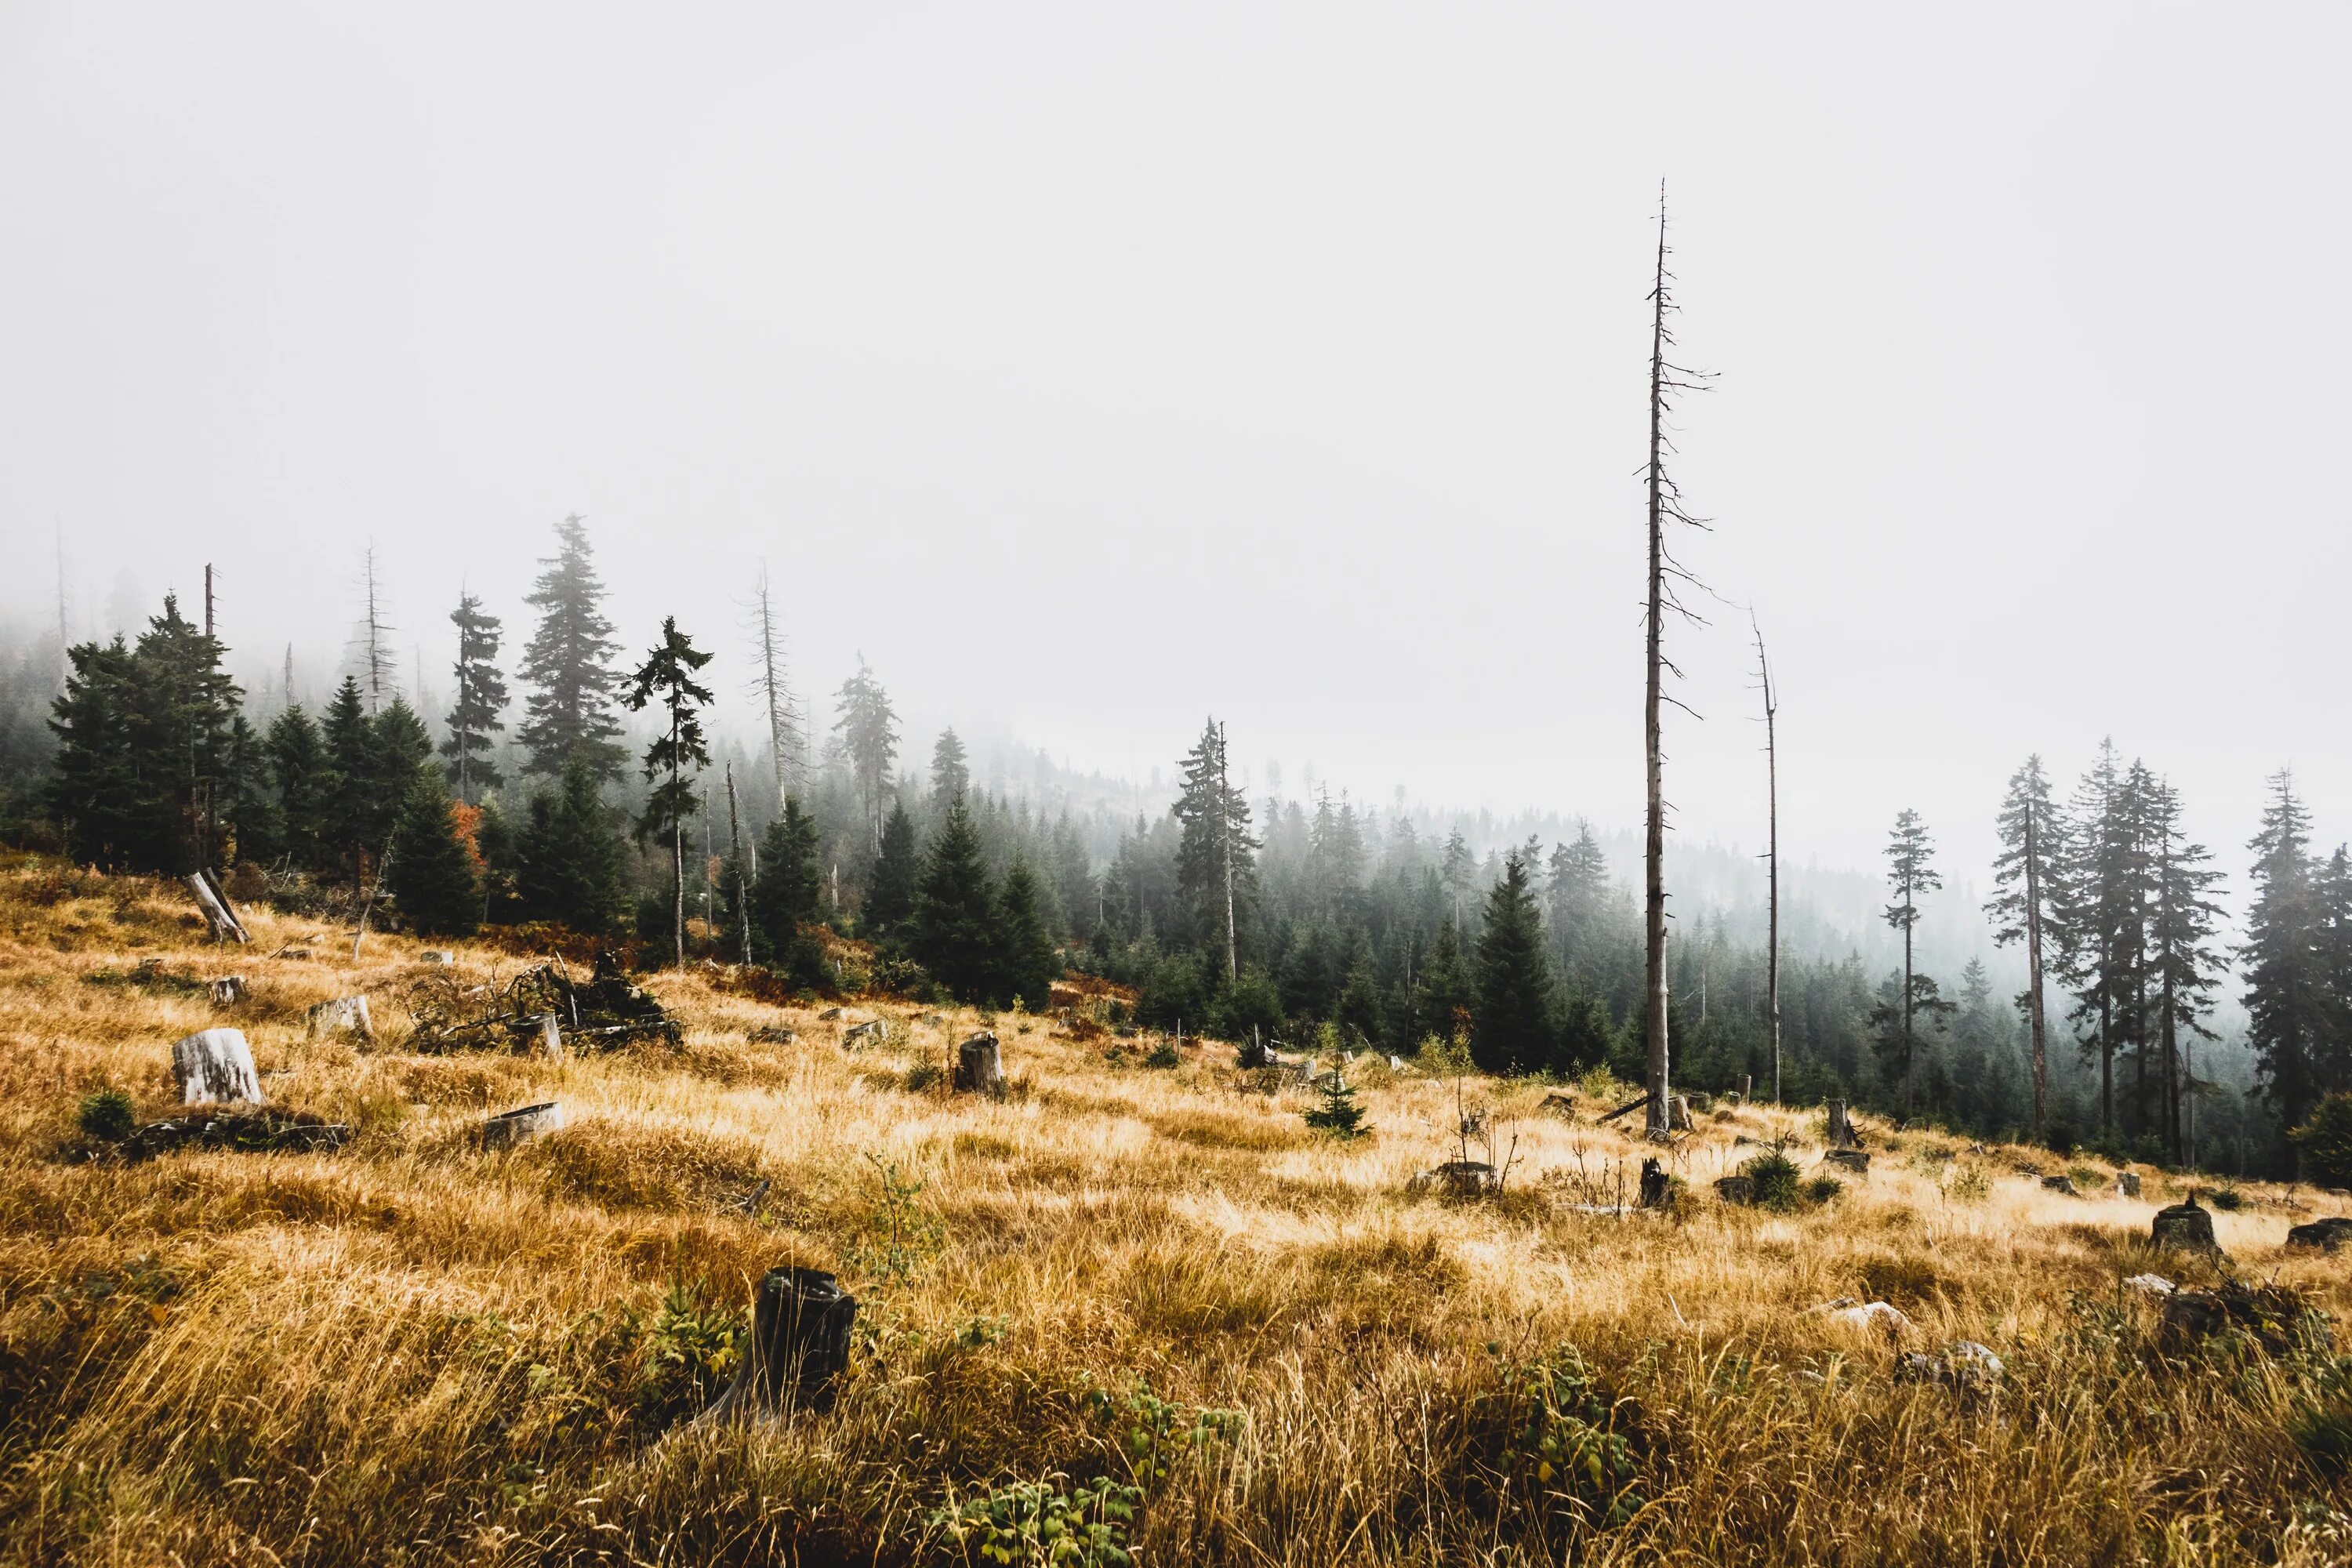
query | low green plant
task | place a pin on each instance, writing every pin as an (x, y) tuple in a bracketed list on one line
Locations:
[(1158, 1433), (107, 1115), (898, 1236), (1822, 1189), (1163, 1055), (1970, 1185), (1559, 1436), (690, 1351), (2229, 1200), (2322, 1144), (1775, 1177), (1051, 1524), (1338, 1115)]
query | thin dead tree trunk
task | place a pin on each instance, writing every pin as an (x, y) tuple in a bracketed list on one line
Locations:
[(2033, 1007), (735, 835), (676, 848), (774, 693), (1906, 1005), (1772, 852)]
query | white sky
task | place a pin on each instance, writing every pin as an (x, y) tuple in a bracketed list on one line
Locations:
[(1093, 367)]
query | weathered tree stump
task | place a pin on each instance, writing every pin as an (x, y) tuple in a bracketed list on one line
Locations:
[(2185, 1226), (2061, 1183), (218, 916), (979, 1066), (831, 1015), (1855, 1160), (1459, 1179), (229, 990), (1678, 1113), (549, 1043), (1654, 1184), (215, 1065), (1840, 1127), (858, 1036), (343, 1014), (508, 1128), (1735, 1189), (2127, 1183), (440, 958), (800, 1342)]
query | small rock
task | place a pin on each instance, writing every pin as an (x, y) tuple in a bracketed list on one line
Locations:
[(1867, 1316), (1855, 1160), (438, 957), (2060, 1184), (1735, 1189), (859, 1035), (2326, 1234), (343, 1015), (511, 1126), (828, 1015), (1459, 1178), (1967, 1367), (773, 1034), (1396, 1064), (2151, 1285)]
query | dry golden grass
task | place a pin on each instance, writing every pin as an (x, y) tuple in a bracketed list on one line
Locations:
[(414, 1352)]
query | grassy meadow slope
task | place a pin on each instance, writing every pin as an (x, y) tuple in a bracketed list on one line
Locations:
[(411, 1350)]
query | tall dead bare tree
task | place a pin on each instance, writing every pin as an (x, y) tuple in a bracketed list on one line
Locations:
[(771, 687), (735, 837), (373, 632), (1771, 849), (1665, 507)]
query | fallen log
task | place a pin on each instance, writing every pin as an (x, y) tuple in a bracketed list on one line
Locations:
[(1635, 1104), (508, 1128)]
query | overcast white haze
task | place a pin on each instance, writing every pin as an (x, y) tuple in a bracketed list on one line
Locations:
[(1093, 368)]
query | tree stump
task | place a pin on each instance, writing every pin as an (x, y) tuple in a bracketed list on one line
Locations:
[(2127, 1183), (2185, 1226), (1840, 1128), (509, 1128), (229, 990), (2061, 1183), (551, 1036), (800, 1342), (1654, 1184), (218, 916), (215, 1065), (1735, 1189), (1855, 1160), (1678, 1112), (344, 1013), (979, 1066), (2326, 1234)]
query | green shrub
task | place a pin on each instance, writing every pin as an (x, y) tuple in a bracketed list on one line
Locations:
[(1970, 1185), (1162, 1055), (2227, 1199), (2323, 1145), (690, 1351), (1822, 1189), (107, 1115), (1034, 1524), (1553, 1434), (1338, 1115), (1775, 1177)]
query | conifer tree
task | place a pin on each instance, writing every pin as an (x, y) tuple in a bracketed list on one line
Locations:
[(890, 891), (955, 912), (668, 678), (1026, 965), (98, 787), (2288, 1009), (569, 665), (571, 868), (481, 700), (1511, 1023), (2027, 873), (1212, 855), (1908, 874), (1444, 996), (868, 729), (1579, 901), (2186, 965), (950, 770), (354, 772), (785, 896), (432, 878)]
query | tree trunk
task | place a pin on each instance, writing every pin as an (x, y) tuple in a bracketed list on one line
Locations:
[(1226, 833), (1655, 832), (218, 915), (1906, 1008), (735, 834), (1771, 859), (801, 1320), (215, 1067), (1841, 1131), (2034, 982)]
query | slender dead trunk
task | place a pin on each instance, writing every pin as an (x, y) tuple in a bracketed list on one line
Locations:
[(2033, 1009), (1771, 855), (1654, 844), (676, 848), (771, 689), (1907, 1008), (735, 837)]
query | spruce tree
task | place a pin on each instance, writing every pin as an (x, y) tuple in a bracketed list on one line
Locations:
[(475, 717), (98, 788), (668, 678), (2029, 874), (569, 665), (890, 891), (1909, 873), (1579, 902), (1511, 1022), (868, 727), (1443, 998), (1213, 868), (354, 809), (950, 770), (1026, 963), (432, 878), (2289, 1022), (571, 868), (2186, 965), (955, 912), (785, 896), (2104, 891), (306, 783)]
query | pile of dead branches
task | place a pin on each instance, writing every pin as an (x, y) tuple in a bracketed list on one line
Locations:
[(604, 1011)]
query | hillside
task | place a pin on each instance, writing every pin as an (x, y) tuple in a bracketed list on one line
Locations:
[(412, 1350)]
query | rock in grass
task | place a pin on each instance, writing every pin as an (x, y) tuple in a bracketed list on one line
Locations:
[(1735, 1189), (2061, 1184), (2127, 1183), (1966, 1367), (215, 1067), (2325, 1235), (1855, 1160), (1868, 1316), (1459, 1178), (2151, 1285)]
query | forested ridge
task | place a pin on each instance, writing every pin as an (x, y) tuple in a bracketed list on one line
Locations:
[(565, 777)]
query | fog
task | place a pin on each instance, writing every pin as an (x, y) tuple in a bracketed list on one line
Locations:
[(1093, 368)]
